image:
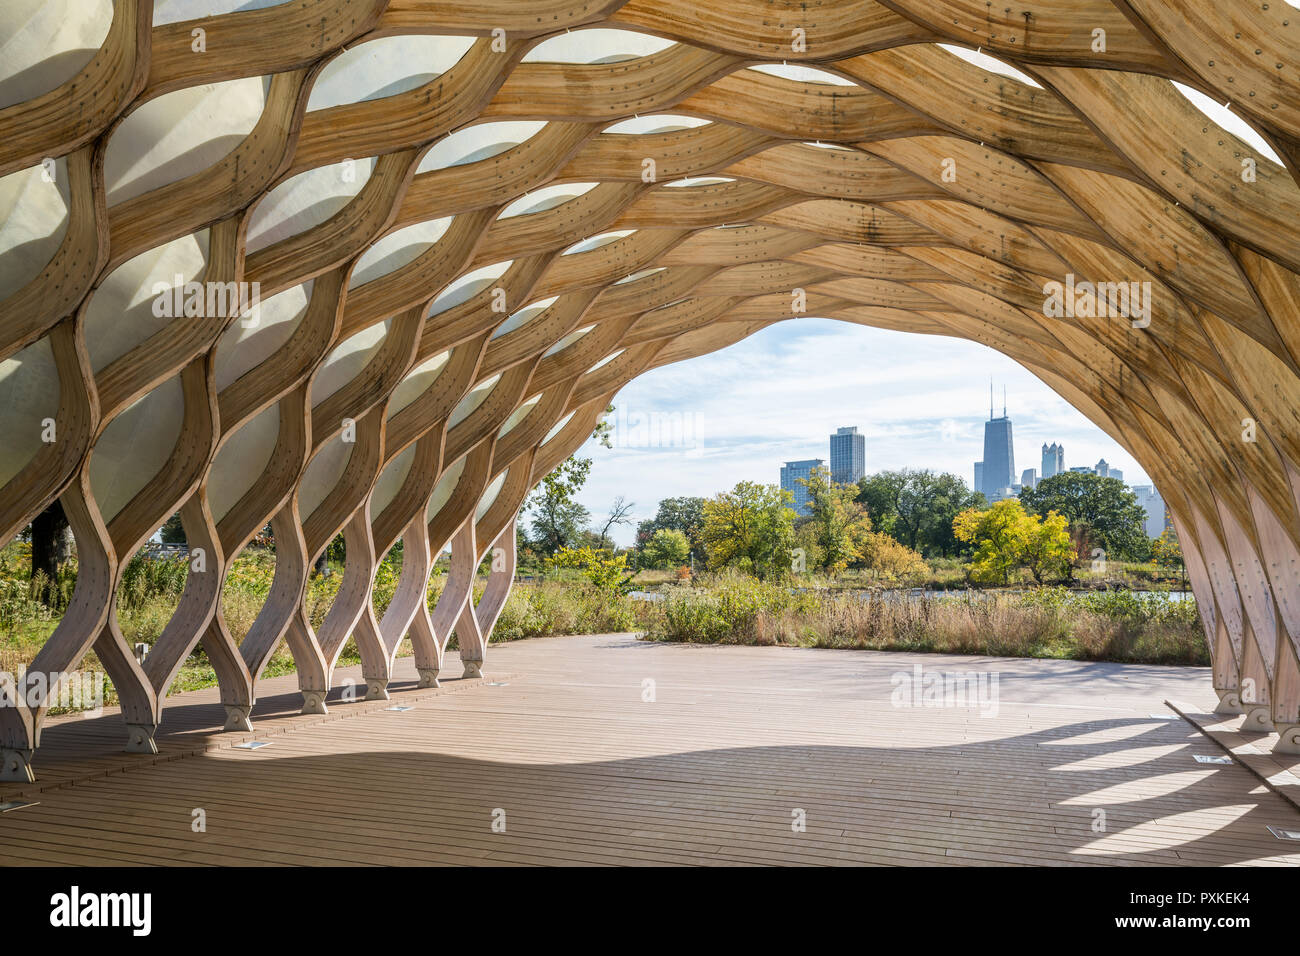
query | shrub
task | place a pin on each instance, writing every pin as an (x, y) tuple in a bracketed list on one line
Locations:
[(146, 579), (729, 611), (552, 608), (605, 572), (18, 606), (889, 561)]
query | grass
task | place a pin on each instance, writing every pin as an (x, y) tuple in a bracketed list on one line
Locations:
[(1046, 623), (551, 608), (949, 574)]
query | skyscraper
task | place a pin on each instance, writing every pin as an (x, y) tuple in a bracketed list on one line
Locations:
[(791, 472), (848, 455), (1104, 470), (1029, 478), (999, 471), (1154, 506), (1053, 460)]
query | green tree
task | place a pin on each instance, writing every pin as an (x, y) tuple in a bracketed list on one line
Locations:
[(667, 548), (172, 531), (1005, 537), (684, 514), (927, 507), (336, 552), (879, 494), (558, 519), (750, 527), (839, 523), (806, 543), (918, 507), (1101, 512)]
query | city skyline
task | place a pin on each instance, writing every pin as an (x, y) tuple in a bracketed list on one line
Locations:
[(739, 414)]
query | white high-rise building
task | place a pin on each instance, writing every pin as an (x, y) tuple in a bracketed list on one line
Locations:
[(1154, 506)]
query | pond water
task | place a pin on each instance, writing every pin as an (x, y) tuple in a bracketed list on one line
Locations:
[(961, 593)]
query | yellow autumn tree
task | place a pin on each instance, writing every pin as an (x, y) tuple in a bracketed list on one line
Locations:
[(1005, 537), (890, 561)]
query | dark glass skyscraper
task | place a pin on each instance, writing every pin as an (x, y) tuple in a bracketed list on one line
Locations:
[(999, 457), (997, 472), (848, 455)]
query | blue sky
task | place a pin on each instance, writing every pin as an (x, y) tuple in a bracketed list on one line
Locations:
[(698, 427)]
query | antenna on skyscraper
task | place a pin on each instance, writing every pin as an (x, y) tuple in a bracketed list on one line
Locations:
[(990, 398), (1004, 401)]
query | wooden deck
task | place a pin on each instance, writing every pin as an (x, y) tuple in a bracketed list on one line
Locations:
[(712, 771)]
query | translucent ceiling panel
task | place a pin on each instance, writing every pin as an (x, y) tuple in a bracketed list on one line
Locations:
[(45, 43)]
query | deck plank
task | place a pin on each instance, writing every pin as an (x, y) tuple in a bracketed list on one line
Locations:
[(710, 773)]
